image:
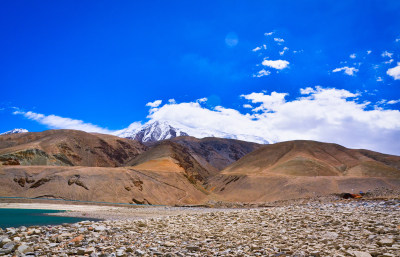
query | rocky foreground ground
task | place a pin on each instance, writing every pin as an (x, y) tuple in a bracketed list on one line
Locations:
[(343, 228)]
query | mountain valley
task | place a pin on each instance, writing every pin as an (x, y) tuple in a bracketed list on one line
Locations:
[(76, 165)]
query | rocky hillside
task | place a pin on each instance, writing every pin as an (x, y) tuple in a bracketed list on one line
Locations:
[(100, 184), (168, 156), (67, 148), (296, 169), (184, 170), (216, 153), (311, 158)]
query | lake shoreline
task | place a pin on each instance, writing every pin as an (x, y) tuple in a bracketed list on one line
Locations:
[(315, 228)]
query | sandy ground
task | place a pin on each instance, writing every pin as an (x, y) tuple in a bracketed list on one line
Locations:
[(112, 212)]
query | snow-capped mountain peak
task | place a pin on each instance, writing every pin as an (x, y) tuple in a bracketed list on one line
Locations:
[(153, 131), (15, 131), (157, 130)]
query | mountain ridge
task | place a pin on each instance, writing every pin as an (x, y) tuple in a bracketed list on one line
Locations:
[(184, 169)]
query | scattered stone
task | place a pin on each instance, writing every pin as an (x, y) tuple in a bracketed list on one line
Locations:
[(361, 254), (168, 244), (344, 228), (193, 248)]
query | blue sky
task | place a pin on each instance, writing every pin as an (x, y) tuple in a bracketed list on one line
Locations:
[(101, 62)]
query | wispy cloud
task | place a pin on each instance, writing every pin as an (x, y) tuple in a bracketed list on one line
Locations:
[(261, 73), (347, 70), (283, 51), (394, 72), (57, 122), (387, 54), (276, 64), (154, 104)]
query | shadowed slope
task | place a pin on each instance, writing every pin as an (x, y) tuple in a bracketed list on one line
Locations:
[(216, 153), (168, 156)]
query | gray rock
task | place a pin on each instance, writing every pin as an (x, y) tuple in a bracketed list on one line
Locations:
[(386, 242), (8, 248), (361, 254), (24, 249), (140, 252), (193, 248), (99, 228)]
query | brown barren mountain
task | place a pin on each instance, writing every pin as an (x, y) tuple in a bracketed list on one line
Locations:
[(76, 165), (296, 169), (67, 148), (168, 156), (215, 154), (99, 184)]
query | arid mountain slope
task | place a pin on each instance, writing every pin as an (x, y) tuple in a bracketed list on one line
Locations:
[(101, 184), (168, 156), (67, 148), (311, 158), (216, 153), (298, 169)]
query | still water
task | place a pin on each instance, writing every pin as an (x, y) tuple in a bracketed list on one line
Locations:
[(27, 217)]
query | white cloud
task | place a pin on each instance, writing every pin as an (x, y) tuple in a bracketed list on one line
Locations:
[(280, 40), (389, 62), (268, 33), (202, 100), (348, 70), (276, 64), (154, 104), (322, 114), (57, 122), (384, 101), (387, 54), (171, 101), (397, 39), (256, 49), (353, 56), (393, 101), (265, 46), (394, 72), (379, 79), (283, 51), (267, 102), (261, 73), (369, 52), (126, 132)]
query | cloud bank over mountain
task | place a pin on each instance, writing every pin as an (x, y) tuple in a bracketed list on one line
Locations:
[(322, 114)]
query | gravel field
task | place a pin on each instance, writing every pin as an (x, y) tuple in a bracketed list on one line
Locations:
[(341, 228)]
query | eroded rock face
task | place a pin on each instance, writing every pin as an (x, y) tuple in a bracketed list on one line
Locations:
[(76, 180), (360, 229), (67, 148)]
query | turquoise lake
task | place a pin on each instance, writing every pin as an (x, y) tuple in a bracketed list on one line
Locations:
[(26, 217)]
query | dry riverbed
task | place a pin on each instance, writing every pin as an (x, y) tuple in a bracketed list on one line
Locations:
[(341, 228)]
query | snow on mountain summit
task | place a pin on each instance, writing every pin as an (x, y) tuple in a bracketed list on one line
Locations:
[(15, 131), (153, 131)]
